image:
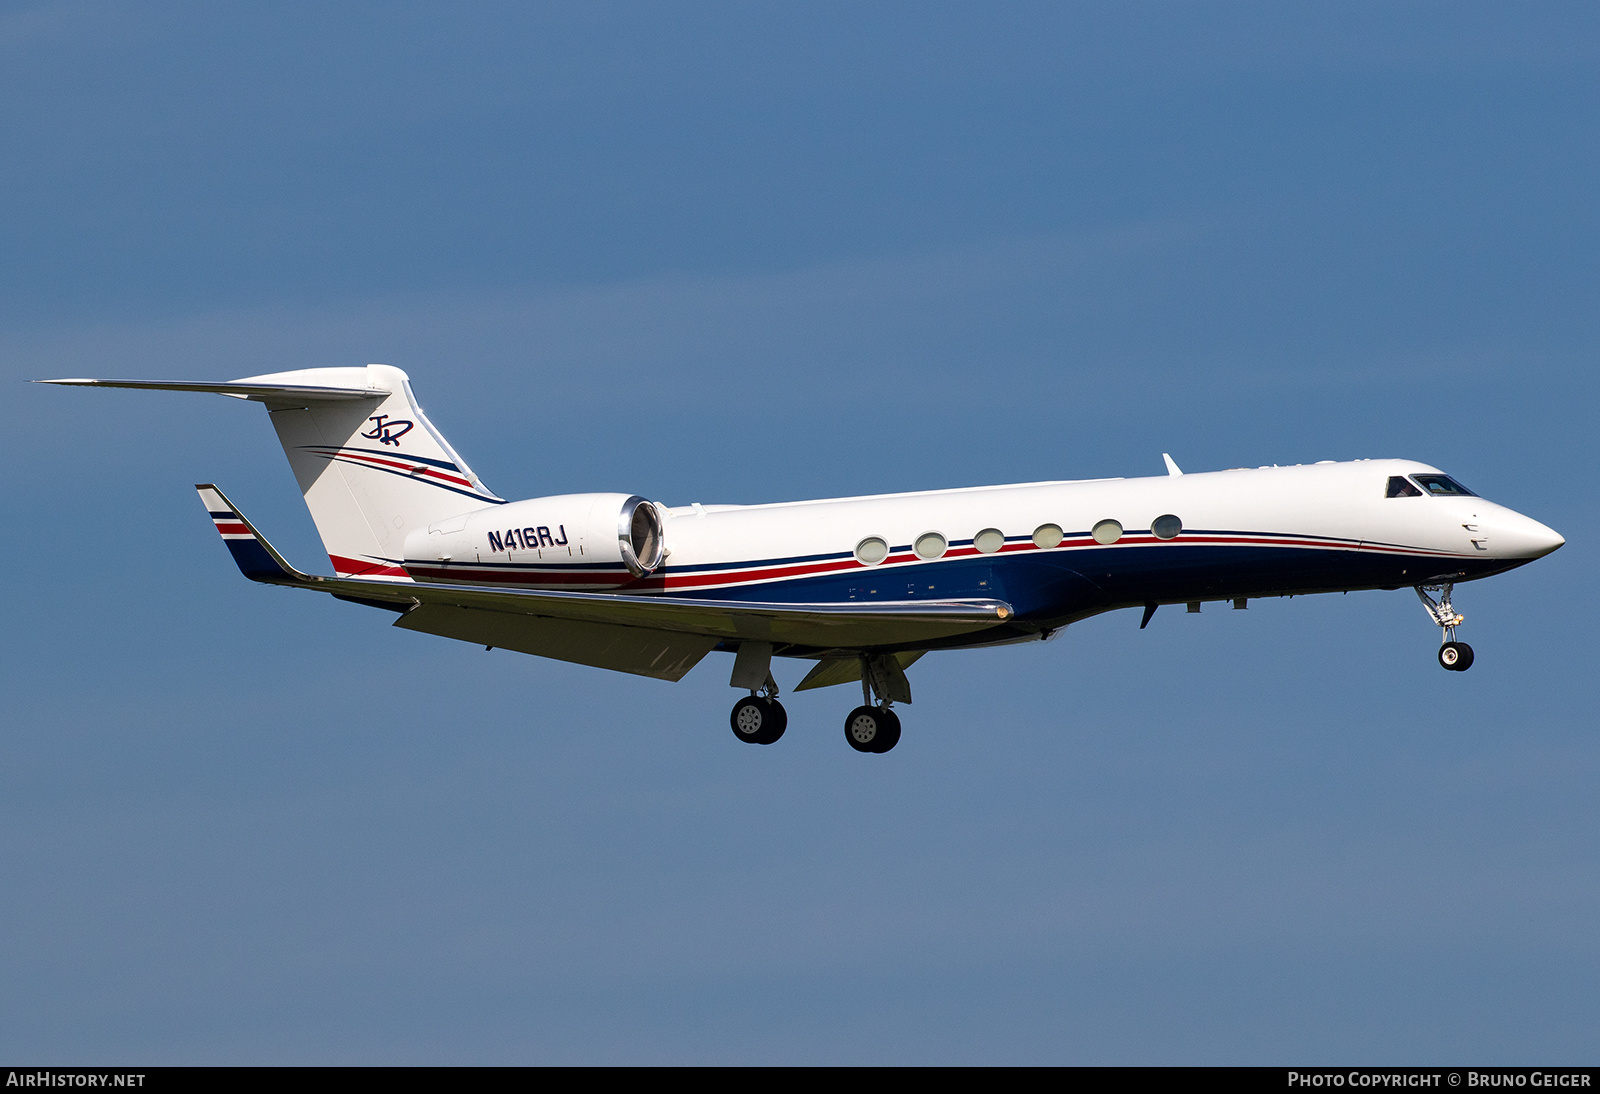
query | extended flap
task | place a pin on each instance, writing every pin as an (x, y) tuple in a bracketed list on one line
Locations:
[(664, 655)]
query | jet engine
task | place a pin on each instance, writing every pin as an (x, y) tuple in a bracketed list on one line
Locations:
[(570, 541)]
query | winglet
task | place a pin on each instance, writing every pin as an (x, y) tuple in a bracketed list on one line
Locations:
[(1172, 467), (256, 557)]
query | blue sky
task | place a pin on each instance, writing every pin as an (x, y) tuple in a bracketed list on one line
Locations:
[(759, 252)]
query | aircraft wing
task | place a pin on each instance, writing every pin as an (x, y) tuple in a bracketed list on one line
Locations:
[(658, 636)]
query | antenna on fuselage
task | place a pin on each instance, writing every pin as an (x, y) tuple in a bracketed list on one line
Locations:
[(1172, 468)]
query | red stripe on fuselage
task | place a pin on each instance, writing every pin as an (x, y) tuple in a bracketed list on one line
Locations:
[(536, 578), (769, 573)]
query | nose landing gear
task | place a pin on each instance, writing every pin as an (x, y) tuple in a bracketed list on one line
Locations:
[(1453, 655)]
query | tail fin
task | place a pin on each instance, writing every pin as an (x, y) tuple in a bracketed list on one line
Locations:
[(371, 469), (369, 463)]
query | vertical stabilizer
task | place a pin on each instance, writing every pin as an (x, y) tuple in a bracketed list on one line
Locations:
[(371, 468)]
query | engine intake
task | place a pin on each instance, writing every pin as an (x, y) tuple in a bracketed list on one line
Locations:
[(639, 536)]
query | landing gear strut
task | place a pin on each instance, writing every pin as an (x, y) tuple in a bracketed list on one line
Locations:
[(872, 727), (1453, 655)]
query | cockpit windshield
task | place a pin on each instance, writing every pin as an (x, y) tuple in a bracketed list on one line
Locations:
[(1442, 486), (1401, 487)]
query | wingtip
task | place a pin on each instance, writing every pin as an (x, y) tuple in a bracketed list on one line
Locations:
[(256, 558)]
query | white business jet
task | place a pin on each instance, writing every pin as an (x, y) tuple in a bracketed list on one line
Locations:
[(862, 586)]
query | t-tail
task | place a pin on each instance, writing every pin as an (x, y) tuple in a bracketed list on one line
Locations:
[(371, 466)]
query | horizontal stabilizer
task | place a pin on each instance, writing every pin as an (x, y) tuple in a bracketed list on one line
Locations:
[(237, 389), (370, 465)]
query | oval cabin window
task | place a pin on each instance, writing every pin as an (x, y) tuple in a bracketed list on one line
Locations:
[(989, 540), (1107, 531), (931, 545), (1047, 536), (1167, 527), (871, 551)]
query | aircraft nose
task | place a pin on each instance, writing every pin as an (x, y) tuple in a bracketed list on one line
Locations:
[(1524, 537)]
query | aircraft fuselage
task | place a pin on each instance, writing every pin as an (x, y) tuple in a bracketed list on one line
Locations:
[(1270, 531)]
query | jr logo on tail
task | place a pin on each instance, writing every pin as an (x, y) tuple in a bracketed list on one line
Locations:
[(388, 432)]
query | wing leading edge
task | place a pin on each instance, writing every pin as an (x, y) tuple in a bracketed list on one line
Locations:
[(658, 636)]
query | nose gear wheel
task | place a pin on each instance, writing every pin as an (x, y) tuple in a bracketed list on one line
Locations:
[(1453, 655), (1456, 656)]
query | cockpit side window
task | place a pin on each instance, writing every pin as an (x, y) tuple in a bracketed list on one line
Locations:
[(1400, 487), (1441, 486)]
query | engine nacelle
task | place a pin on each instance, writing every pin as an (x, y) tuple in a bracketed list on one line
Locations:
[(571, 541)]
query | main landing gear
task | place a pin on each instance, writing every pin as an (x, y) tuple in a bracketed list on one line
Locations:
[(1453, 655), (872, 729), (758, 719), (872, 726)]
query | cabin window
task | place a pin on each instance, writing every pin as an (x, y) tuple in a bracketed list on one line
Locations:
[(871, 551), (931, 545), (1047, 536), (989, 540), (1401, 487), (1442, 486), (1107, 531), (1166, 527)]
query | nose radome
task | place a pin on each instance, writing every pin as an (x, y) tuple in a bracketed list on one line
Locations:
[(1524, 537)]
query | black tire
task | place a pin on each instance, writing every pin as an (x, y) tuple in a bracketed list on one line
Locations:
[(757, 720), (1456, 656), (872, 729), (780, 721), (889, 735)]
